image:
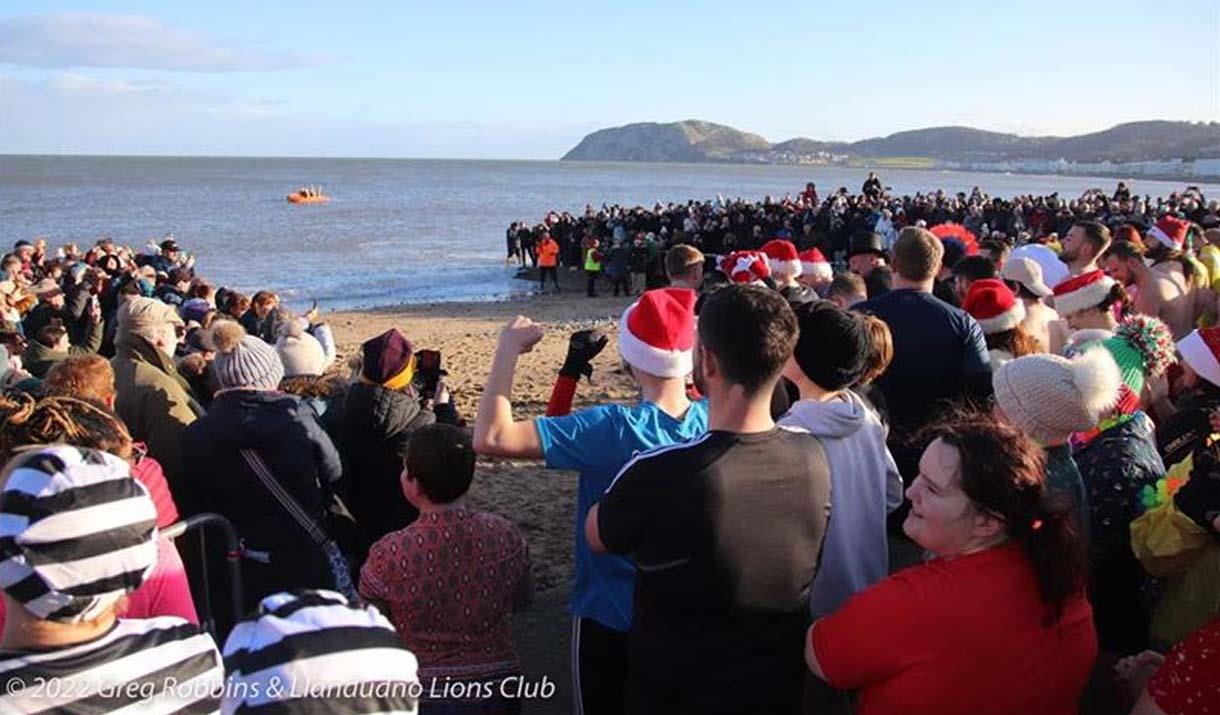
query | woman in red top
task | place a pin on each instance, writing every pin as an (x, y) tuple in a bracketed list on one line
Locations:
[(997, 621)]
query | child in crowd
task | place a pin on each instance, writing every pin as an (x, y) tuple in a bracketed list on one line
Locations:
[(451, 579)]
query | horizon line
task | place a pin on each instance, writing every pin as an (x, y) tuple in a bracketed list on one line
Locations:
[(256, 156)]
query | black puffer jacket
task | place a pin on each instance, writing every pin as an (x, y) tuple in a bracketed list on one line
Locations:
[(286, 435), (375, 426)]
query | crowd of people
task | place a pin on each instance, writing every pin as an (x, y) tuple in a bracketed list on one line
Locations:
[(629, 242), (927, 474)]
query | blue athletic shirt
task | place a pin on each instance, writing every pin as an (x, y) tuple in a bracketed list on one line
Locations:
[(597, 442)]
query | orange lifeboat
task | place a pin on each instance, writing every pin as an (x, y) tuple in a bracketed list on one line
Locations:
[(301, 197)]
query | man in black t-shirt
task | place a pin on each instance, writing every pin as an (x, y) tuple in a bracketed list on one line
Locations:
[(725, 530)]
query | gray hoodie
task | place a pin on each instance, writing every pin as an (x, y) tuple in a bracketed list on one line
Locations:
[(864, 487)]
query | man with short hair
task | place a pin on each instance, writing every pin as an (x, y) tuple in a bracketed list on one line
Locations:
[(1155, 293), (684, 267), (996, 251), (846, 290), (940, 353), (726, 530), (656, 340), (967, 271), (1083, 246)]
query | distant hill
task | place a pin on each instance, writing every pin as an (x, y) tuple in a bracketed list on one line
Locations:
[(690, 140), (698, 141)]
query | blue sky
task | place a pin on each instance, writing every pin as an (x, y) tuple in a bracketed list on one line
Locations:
[(527, 79)]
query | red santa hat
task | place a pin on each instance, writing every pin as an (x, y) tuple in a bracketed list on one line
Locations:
[(993, 305), (813, 263), (1200, 349), (657, 332), (1078, 293), (1170, 231), (745, 267), (782, 257)]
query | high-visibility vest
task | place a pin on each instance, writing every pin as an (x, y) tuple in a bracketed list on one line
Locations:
[(591, 262)]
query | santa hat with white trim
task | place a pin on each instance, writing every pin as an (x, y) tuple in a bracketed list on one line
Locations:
[(1170, 231), (1201, 351), (782, 258), (657, 332), (813, 263), (745, 267), (1081, 292), (993, 305)]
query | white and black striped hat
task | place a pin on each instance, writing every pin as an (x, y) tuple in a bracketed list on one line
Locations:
[(312, 651), (76, 532)]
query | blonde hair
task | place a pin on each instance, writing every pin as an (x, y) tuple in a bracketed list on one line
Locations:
[(917, 254)]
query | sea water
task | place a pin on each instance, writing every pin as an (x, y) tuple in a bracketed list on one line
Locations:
[(395, 230)]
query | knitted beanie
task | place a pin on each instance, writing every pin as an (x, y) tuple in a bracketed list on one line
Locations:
[(315, 652), (300, 352), (242, 361), (1143, 348), (1050, 397), (79, 532), (387, 357)]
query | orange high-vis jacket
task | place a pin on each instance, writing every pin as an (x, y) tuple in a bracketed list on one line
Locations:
[(548, 253)]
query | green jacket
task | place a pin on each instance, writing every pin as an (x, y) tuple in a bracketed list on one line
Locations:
[(39, 359), (155, 402)]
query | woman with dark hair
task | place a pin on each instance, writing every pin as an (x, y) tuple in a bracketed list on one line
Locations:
[(999, 313), (1092, 304), (997, 620)]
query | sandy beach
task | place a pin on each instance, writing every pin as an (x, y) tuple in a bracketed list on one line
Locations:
[(540, 501)]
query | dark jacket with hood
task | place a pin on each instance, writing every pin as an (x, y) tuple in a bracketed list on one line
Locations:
[(375, 427), (286, 435)]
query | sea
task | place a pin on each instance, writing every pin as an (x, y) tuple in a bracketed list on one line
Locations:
[(396, 231)]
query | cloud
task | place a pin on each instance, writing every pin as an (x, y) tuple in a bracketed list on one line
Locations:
[(75, 114), (130, 41)]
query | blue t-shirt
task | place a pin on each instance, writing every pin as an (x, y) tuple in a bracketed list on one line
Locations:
[(597, 442)]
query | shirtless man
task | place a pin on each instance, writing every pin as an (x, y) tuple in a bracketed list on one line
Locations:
[(1166, 240), (1156, 294), (1024, 277), (1083, 246)]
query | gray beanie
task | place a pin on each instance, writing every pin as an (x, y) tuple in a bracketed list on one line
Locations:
[(1050, 397), (243, 360)]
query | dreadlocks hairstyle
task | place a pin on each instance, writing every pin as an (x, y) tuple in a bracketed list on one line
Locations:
[(25, 422)]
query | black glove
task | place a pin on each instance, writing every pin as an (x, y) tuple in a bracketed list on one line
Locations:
[(583, 346), (1199, 497)]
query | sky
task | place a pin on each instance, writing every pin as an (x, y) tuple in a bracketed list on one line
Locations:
[(528, 79)]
